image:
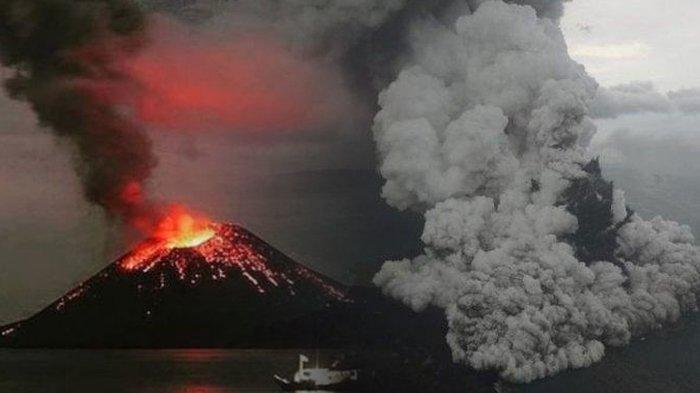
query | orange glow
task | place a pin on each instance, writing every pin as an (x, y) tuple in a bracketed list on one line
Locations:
[(183, 80), (248, 82), (132, 193), (181, 229), (245, 85), (178, 228), (217, 252)]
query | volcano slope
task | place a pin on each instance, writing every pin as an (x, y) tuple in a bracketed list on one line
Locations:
[(230, 290), (227, 288)]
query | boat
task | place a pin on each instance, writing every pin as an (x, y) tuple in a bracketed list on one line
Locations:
[(314, 379)]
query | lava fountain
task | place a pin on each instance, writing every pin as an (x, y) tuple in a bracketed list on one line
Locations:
[(177, 228)]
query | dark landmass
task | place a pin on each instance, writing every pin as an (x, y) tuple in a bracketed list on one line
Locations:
[(248, 296)]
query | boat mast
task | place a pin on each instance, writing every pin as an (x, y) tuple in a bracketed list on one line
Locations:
[(302, 359)]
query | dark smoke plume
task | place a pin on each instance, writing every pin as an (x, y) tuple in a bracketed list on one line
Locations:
[(61, 50)]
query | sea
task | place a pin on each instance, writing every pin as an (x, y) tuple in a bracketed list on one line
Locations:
[(664, 362), (146, 371)]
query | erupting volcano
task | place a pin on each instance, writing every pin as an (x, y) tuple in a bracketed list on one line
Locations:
[(194, 283), (177, 229)]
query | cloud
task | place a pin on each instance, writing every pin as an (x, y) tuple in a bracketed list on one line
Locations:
[(627, 51), (634, 97), (686, 100), (642, 97)]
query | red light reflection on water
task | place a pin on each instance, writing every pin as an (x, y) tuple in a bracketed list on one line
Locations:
[(204, 389)]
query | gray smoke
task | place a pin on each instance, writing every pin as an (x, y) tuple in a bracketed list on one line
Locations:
[(59, 51), (306, 23), (369, 39), (486, 132)]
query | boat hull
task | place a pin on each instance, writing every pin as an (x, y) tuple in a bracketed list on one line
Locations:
[(290, 386)]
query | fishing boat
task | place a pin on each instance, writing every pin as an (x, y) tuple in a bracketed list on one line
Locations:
[(317, 378)]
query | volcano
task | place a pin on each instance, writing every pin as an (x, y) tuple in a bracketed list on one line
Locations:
[(218, 286), (198, 284)]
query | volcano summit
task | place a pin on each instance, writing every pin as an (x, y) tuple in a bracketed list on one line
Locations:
[(218, 285)]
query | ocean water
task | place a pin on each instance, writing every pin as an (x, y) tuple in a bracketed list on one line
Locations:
[(145, 371), (664, 362)]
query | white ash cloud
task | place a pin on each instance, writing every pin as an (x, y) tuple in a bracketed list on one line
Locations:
[(485, 132)]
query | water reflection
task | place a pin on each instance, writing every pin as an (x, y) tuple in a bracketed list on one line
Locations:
[(145, 371), (313, 391), (203, 389)]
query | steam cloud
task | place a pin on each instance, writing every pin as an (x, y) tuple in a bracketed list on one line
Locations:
[(536, 260)]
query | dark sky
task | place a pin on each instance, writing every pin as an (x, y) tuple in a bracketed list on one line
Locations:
[(316, 199), (315, 195)]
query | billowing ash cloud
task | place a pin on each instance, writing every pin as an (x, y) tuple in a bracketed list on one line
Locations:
[(59, 49), (535, 258)]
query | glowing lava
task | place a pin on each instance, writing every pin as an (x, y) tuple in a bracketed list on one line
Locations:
[(181, 229), (178, 228), (192, 249)]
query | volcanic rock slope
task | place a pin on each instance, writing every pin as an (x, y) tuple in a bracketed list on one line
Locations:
[(231, 290)]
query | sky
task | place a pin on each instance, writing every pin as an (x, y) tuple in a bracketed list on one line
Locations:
[(621, 41), (50, 239)]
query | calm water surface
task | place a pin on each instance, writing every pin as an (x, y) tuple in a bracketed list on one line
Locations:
[(667, 362), (171, 371)]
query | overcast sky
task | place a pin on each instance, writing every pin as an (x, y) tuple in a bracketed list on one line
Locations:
[(621, 41)]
